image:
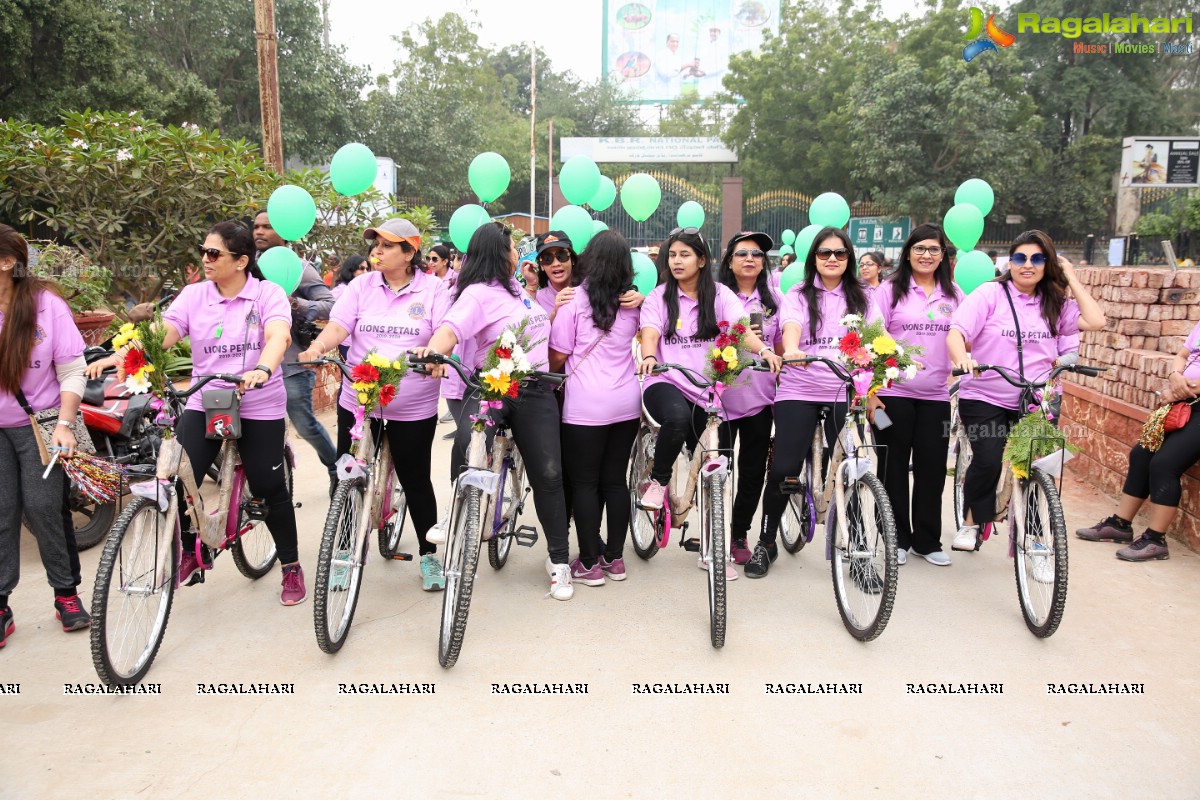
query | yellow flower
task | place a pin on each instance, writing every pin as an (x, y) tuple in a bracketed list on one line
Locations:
[(362, 386), (732, 363), (363, 397), (378, 361), (884, 345), (716, 352), (498, 383), (126, 328), (729, 354), (1019, 471), (397, 365)]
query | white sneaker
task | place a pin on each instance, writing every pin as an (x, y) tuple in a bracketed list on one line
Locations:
[(1043, 563), (560, 581), (937, 558), (437, 534), (901, 555), (731, 574), (966, 538)]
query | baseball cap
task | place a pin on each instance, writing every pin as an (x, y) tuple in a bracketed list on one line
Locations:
[(763, 241), (396, 230), (552, 239)]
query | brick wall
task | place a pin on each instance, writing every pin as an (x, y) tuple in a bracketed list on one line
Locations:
[(325, 393)]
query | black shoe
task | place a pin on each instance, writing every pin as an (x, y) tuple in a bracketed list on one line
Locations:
[(449, 437), (865, 577), (6, 625), (760, 560), (70, 612)]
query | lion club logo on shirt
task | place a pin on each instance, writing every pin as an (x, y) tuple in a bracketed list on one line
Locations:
[(945, 309), (416, 311), (39, 335), (252, 320)]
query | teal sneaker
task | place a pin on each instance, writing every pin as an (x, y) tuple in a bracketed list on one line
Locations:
[(432, 578)]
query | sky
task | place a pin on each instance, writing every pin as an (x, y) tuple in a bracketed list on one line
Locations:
[(571, 39)]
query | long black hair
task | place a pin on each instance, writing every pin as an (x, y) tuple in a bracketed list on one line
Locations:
[(239, 241), (1052, 288), (349, 269), (725, 275), (706, 287), (856, 298), (902, 280), (489, 260), (607, 268)]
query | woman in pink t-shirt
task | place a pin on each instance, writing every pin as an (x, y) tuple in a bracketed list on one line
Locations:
[(550, 283), (1032, 297), (41, 368), (916, 305), (811, 320)]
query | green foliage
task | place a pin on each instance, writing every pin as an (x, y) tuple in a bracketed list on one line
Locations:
[(84, 285), (1157, 226), (1033, 437)]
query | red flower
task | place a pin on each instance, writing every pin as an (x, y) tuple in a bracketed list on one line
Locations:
[(891, 362), (135, 360), (719, 365), (387, 393), (513, 388), (365, 373), (849, 343), (723, 325), (739, 329), (503, 352), (723, 341)]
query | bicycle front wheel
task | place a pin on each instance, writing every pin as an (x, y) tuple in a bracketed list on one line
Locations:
[(131, 601), (864, 565), (714, 532), (1040, 555), (796, 524), (962, 460), (393, 524), (505, 523), (462, 559), (254, 551), (642, 524), (339, 566)]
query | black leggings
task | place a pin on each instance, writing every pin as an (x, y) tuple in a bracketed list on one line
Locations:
[(534, 421), (920, 430), (595, 473), (261, 449), (412, 458), (752, 466), (987, 428), (795, 424), (1156, 475), (680, 421)]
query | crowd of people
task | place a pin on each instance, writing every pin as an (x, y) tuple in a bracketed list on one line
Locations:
[(582, 312)]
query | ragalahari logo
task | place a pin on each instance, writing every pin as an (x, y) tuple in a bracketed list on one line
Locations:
[(980, 43)]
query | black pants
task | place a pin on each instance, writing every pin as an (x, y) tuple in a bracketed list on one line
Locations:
[(534, 421), (920, 430), (987, 429), (261, 449), (795, 424), (755, 431), (412, 458), (681, 422), (598, 457), (1156, 475)]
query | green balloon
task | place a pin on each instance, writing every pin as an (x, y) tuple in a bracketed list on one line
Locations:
[(972, 270), (829, 209), (579, 179), (489, 176), (963, 225), (463, 224), (791, 276), (786, 250), (576, 223), (978, 193), (281, 266), (804, 241), (690, 215), (292, 212), (645, 273), (353, 169), (640, 196), (598, 226), (605, 195), (788, 236)]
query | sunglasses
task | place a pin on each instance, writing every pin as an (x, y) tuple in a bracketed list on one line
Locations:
[(1019, 259), (841, 254), (744, 253), (550, 256), (212, 253), (678, 231), (433, 259)]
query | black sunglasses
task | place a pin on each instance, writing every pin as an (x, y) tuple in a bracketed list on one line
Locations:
[(841, 254), (550, 256), (212, 253), (678, 231), (743, 253), (432, 258)]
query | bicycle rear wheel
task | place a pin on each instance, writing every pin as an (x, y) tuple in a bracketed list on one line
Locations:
[(643, 524), (864, 566), (392, 527), (339, 566), (714, 548), (795, 528), (254, 551), (507, 509), (1040, 555), (462, 559), (131, 601)]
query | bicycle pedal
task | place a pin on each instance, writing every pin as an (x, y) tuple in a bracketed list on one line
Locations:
[(402, 557), (526, 535), (791, 486), (255, 508), (691, 545)]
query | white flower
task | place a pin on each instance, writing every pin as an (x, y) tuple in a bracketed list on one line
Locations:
[(891, 373), (508, 339), (136, 129), (869, 348), (899, 349), (851, 321), (123, 154), (910, 372), (505, 365), (137, 384), (523, 364), (493, 373), (80, 143)]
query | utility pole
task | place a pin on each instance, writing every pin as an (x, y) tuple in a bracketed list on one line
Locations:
[(268, 83), (532, 137), (325, 22)]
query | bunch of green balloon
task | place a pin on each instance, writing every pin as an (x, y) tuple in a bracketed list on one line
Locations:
[(281, 266), (978, 193), (963, 225), (489, 176), (292, 212), (788, 236), (598, 226), (645, 273), (605, 195), (786, 250), (464, 222), (791, 276), (972, 270), (353, 169), (640, 196), (579, 179), (576, 223), (829, 209), (804, 241), (690, 215)]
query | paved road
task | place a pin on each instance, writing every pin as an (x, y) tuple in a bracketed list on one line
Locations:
[(1125, 623)]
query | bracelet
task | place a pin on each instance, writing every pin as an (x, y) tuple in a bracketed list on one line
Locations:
[(264, 369), (66, 422), (765, 349), (650, 356)]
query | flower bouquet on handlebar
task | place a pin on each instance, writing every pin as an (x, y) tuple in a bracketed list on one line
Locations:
[(874, 359), (375, 383), (729, 356), (505, 366)]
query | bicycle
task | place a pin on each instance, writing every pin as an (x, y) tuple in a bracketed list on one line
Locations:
[(139, 568), (371, 499), (486, 476), (853, 504), (1037, 531)]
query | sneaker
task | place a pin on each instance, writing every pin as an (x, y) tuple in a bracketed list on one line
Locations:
[(1144, 549), (69, 611), (731, 574), (865, 577), (760, 560), (191, 571), (432, 577), (447, 417), (653, 496), (449, 437), (967, 539), (1109, 530), (739, 551), (615, 569), (588, 577), (937, 558), (1043, 568), (6, 624), (560, 581), (293, 591), (437, 534), (901, 555)]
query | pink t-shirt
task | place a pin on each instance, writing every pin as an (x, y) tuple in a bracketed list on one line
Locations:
[(391, 324), (816, 383), (986, 323), (684, 348), (756, 390), (603, 387), (484, 310), (920, 320), (546, 297), (56, 340), (228, 335)]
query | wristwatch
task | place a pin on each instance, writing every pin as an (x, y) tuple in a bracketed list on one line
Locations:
[(264, 369)]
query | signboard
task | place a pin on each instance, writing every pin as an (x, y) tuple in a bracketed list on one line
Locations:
[(648, 149), (877, 233), (1166, 162), (664, 50)]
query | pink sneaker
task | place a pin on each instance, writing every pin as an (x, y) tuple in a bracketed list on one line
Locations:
[(614, 569), (588, 577), (739, 551), (653, 496), (293, 591)]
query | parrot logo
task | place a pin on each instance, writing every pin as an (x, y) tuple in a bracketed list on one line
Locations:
[(980, 43)]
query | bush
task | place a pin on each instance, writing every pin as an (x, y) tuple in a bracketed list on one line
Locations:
[(84, 285)]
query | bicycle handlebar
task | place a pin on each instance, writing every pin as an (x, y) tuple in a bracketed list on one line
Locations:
[(468, 375), (1020, 383), (323, 360), (201, 382), (837, 368), (700, 381)]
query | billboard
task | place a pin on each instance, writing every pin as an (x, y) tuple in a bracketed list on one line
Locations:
[(1162, 161), (648, 149), (664, 50)]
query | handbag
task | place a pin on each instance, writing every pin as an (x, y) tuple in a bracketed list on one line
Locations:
[(222, 414), (1165, 419), (44, 423)]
